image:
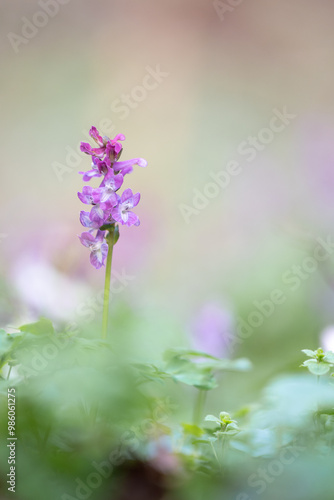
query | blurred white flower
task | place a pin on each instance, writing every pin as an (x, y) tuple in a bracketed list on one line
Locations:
[(327, 338)]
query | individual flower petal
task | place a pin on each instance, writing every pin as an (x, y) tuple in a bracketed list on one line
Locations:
[(119, 137), (96, 136), (87, 176), (108, 186), (102, 167), (96, 171), (125, 217), (122, 212), (135, 199), (127, 195), (108, 196), (129, 199), (98, 256), (100, 235), (113, 152), (125, 167), (133, 219), (85, 147), (97, 246), (86, 220), (98, 214), (89, 195), (87, 239), (86, 196)]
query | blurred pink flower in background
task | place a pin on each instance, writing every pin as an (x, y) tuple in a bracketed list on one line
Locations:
[(212, 329), (46, 290), (317, 154)]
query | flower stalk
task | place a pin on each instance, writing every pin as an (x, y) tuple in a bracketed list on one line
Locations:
[(111, 241)]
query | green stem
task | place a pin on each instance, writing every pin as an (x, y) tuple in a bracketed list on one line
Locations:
[(215, 454), (110, 241), (318, 409), (199, 406)]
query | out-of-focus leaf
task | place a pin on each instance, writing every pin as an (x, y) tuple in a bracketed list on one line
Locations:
[(202, 379), (150, 372), (196, 372), (231, 429), (329, 357), (193, 430), (5, 343), (90, 343), (42, 327), (186, 353), (316, 367), (212, 418), (309, 353), (241, 364)]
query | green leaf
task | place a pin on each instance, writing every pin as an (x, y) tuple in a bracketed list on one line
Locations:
[(186, 354), (150, 372), (205, 440), (317, 368), (42, 327), (212, 418), (193, 430), (116, 235), (106, 227), (196, 372), (183, 369), (91, 343), (111, 228), (309, 353), (329, 357), (197, 378), (5, 343), (239, 365), (231, 429)]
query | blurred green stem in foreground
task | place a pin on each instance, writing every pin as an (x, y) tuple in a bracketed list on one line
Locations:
[(199, 406), (111, 241)]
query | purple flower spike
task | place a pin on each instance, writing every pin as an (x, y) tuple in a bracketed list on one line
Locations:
[(107, 206), (122, 213), (98, 247)]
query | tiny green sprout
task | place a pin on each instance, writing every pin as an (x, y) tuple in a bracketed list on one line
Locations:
[(226, 423), (320, 362)]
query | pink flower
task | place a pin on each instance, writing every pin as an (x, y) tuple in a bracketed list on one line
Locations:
[(109, 148), (98, 247), (212, 329), (122, 212)]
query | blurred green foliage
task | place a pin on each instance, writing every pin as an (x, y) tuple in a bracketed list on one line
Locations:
[(93, 424)]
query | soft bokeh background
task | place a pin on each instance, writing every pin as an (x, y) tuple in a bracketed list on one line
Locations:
[(225, 77)]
